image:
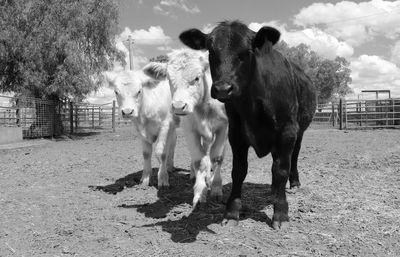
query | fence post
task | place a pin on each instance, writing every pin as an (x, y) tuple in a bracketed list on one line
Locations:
[(71, 117), (393, 112), (100, 116), (333, 115), (92, 117), (345, 113), (76, 116), (340, 114), (113, 116), (17, 113)]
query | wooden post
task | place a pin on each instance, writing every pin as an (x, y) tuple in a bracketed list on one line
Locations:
[(71, 117), (17, 113), (393, 113), (113, 117), (99, 116), (333, 115), (76, 116), (130, 41), (345, 113), (340, 114), (92, 117)]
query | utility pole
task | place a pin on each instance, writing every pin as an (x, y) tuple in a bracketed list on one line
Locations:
[(130, 43)]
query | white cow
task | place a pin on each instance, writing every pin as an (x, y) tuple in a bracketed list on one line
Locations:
[(204, 121), (148, 103)]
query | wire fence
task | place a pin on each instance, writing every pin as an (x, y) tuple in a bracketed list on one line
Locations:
[(359, 114), (45, 118), (36, 117)]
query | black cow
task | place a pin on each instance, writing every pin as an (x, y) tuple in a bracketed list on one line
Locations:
[(270, 102)]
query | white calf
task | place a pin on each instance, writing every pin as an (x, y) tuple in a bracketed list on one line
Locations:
[(205, 123), (148, 103)]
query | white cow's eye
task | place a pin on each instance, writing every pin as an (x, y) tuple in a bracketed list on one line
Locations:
[(116, 92), (195, 81), (138, 93)]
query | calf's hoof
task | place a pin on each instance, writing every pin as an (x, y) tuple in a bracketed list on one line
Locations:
[(216, 194), (163, 185), (145, 182)]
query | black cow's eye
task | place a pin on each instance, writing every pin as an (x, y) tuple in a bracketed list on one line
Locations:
[(243, 55)]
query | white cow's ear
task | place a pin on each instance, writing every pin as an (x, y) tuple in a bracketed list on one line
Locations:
[(156, 70), (109, 77)]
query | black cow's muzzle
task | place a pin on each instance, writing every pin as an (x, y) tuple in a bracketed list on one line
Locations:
[(221, 91)]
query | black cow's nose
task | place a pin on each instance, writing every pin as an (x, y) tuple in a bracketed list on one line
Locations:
[(221, 90)]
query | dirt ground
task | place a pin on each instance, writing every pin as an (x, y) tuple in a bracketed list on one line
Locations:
[(348, 205)]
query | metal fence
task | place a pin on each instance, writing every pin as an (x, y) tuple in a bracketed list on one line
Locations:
[(359, 114), (81, 117), (36, 117), (44, 118)]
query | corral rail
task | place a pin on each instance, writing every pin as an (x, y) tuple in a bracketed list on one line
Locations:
[(46, 118)]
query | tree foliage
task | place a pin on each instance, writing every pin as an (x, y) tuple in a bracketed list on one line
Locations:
[(159, 58), (331, 77), (54, 48)]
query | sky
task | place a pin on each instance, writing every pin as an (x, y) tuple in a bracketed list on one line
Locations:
[(367, 33)]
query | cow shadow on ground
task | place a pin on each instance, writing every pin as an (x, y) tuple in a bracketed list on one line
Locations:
[(120, 184), (174, 204)]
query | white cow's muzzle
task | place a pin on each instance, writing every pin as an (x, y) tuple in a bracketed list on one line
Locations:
[(180, 107)]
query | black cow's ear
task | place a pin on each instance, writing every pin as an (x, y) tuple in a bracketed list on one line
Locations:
[(194, 39), (264, 35)]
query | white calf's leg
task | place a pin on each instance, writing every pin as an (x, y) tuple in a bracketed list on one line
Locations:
[(217, 153), (161, 147), (202, 169), (146, 150), (200, 163), (171, 150)]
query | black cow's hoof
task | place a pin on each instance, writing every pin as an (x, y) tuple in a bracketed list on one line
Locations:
[(229, 223), (280, 225), (295, 185)]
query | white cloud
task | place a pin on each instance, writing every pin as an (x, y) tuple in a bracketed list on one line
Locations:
[(355, 23), (396, 53), (319, 41), (153, 36), (166, 7), (164, 48), (374, 73)]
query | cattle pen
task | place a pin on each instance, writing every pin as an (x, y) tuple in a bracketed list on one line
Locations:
[(359, 114), (44, 118), (37, 118)]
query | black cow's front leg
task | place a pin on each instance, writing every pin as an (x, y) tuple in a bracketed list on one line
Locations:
[(282, 155), (239, 171)]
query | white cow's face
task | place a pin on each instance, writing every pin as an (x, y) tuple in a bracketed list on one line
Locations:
[(186, 73), (128, 88)]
